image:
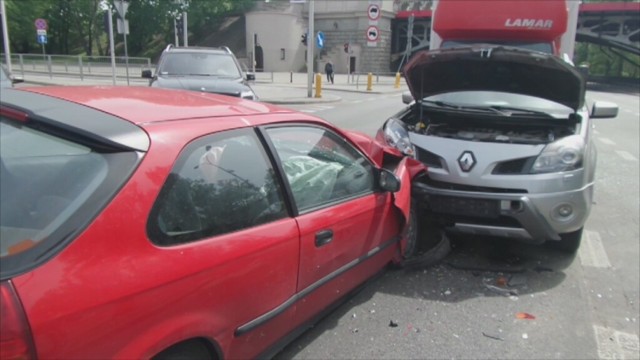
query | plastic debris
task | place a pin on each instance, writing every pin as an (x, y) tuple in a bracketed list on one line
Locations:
[(525, 316), (502, 281), (393, 323), (448, 292), (525, 336), (500, 290), (490, 336)]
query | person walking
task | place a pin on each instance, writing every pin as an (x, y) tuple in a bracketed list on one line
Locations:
[(328, 68)]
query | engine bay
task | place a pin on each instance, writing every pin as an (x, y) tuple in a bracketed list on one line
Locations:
[(488, 129)]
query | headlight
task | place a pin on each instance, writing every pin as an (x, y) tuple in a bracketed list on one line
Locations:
[(248, 94), (563, 155), (396, 135)]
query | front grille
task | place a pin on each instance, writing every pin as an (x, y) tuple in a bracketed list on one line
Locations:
[(428, 158), (460, 187), (514, 167)]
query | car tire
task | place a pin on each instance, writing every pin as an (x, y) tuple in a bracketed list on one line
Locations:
[(569, 242), (190, 350), (427, 243)]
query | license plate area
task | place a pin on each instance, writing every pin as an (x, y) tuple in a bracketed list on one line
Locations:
[(465, 206)]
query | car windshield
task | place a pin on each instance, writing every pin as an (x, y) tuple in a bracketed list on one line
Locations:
[(544, 47), (499, 101), (49, 189), (199, 64)]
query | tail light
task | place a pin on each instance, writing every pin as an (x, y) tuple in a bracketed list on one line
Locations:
[(16, 341)]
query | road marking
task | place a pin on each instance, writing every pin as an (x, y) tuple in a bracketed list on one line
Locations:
[(614, 344), (592, 251), (625, 155), (607, 141)]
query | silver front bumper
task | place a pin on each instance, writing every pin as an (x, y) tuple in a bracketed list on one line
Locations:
[(537, 216)]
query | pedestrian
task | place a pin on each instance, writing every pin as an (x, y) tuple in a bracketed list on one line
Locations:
[(328, 68)]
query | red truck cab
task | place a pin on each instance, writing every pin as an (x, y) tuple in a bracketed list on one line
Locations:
[(547, 26)]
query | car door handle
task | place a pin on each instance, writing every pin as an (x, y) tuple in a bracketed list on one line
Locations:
[(323, 237)]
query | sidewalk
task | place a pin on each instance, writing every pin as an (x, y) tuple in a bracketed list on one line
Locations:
[(275, 88)]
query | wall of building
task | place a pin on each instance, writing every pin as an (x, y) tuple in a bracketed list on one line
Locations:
[(280, 24)]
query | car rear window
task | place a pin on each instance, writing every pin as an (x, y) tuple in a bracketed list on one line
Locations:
[(50, 188)]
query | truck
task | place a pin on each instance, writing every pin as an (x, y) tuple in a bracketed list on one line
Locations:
[(548, 26)]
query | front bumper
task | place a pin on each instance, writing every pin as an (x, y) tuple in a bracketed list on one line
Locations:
[(533, 218)]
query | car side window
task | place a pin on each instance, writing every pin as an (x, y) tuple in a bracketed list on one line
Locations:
[(320, 167), (220, 184)]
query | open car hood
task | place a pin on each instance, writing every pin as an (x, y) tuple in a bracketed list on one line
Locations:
[(495, 68)]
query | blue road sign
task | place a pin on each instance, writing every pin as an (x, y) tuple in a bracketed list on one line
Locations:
[(320, 39), (42, 39)]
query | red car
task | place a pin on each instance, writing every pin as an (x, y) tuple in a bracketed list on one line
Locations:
[(152, 223)]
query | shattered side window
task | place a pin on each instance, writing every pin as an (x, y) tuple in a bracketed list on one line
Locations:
[(320, 167)]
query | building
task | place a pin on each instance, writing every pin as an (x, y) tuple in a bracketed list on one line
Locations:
[(357, 34)]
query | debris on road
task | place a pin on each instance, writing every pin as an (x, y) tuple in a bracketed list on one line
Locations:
[(393, 323), (499, 290), (525, 316), (490, 336)]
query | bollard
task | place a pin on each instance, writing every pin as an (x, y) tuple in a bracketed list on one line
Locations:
[(318, 85), (291, 76), (397, 84), (369, 81)]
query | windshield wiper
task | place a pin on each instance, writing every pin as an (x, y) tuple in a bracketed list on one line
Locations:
[(509, 111), (497, 109)]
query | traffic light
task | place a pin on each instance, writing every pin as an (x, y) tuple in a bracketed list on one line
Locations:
[(304, 39), (346, 47)]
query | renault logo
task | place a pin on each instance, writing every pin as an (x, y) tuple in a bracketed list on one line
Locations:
[(466, 161)]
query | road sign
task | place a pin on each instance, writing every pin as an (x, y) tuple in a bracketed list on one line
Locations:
[(41, 24), (373, 12), (320, 39), (42, 39), (41, 32), (372, 33)]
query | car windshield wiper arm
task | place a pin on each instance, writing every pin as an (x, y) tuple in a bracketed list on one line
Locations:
[(508, 111)]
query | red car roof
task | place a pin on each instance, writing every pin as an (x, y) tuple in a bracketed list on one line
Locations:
[(141, 105)]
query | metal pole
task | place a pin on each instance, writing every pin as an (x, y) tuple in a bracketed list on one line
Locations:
[(175, 31), (112, 47), (185, 35), (310, 47), (5, 36)]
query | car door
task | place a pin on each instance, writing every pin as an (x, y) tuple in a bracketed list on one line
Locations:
[(222, 212), (346, 226)]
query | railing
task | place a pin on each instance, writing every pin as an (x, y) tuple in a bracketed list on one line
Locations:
[(78, 65)]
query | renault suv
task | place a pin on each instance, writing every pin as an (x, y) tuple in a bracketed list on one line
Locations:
[(508, 141)]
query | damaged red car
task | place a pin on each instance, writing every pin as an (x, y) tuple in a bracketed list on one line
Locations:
[(152, 223)]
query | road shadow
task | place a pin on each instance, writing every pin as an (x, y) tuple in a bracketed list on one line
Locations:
[(476, 267)]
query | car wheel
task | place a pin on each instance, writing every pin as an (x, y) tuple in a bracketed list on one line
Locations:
[(190, 350), (427, 242), (569, 242)]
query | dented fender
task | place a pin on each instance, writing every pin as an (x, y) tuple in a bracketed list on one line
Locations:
[(406, 170)]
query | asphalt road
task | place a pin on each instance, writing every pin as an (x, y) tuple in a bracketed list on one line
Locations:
[(561, 307)]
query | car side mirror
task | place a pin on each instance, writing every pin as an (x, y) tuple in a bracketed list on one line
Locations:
[(406, 97), (388, 181), (251, 77), (146, 74), (604, 109), (16, 79)]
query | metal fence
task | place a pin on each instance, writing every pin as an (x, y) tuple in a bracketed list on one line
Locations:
[(78, 65)]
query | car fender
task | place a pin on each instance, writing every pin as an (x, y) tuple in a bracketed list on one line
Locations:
[(167, 333), (406, 171)]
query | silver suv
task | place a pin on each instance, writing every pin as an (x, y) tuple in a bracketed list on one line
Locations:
[(202, 69), (508, 141)]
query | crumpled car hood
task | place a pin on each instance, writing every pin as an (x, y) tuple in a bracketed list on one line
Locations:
[(495, 68), (204, 83)]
